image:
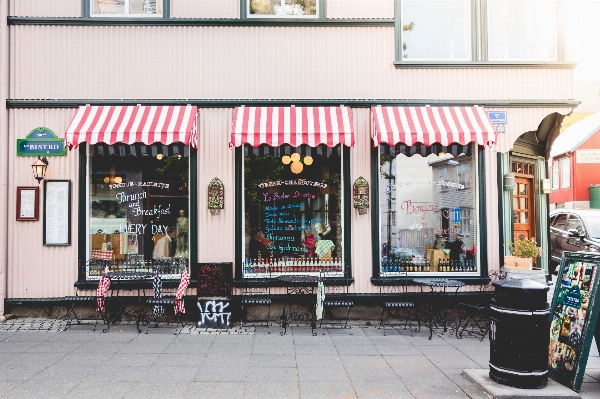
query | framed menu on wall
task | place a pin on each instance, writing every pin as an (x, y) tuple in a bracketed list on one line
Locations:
[(57, 212), (27, 203), (573, 316)]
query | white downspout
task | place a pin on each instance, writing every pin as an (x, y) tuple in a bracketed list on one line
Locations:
[(4, 82)]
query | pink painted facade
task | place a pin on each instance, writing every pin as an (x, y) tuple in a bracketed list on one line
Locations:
[(51, 68)]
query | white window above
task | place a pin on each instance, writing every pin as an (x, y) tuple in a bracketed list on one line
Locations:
[(282, 8), (126, 8)]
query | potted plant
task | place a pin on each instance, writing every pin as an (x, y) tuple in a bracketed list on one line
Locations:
[(524, 253), (361, 185), (362, 204), (214, 205)]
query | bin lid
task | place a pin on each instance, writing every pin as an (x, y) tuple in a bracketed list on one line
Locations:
[(520, 284)]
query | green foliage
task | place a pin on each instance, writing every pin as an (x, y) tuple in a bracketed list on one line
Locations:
[(362, 202), (214, 203), (525, 248), (361, 182)]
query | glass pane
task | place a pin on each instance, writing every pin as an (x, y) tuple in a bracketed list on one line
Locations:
[(524, 217), (516, 217), (422, 228), (139, 205), (522, 30), (436, 29), (515, 203), (126, 7), (523, 189), (293, 213), (283, 8), (523, 203)]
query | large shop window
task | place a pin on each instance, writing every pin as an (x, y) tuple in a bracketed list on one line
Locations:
[(282, 8), (126, 8), (293, 187), (428, 191), (139, 202), (138, 181)]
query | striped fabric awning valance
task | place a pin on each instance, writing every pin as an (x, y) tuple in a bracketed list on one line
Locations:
[(133, 124), (430, 125), (276, 126)]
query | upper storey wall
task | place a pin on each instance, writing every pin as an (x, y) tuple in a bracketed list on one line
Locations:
[(348, 9)]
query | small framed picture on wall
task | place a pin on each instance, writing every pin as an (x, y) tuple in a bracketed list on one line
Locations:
[(28, 203)]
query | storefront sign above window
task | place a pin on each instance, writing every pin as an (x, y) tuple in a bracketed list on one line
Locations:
[(41, 141)]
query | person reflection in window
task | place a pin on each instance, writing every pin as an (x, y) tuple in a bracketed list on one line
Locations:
[(163, 248), (259, 245)]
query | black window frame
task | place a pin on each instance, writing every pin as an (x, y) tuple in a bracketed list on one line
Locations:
[(239, 214), (82, 250), (376, 278)]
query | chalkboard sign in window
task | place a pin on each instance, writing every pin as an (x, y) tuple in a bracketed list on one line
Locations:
[(293, 209), (573, 317), (139, 202)]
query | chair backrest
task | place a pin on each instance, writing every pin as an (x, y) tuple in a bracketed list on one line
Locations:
[(397, 285), (335, 283), (494, 276), (256, 284)]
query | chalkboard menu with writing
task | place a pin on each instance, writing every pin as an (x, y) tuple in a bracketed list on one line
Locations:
[(57, 212), (573, 317)]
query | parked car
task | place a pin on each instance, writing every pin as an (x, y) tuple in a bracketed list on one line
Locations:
[(573, 230)]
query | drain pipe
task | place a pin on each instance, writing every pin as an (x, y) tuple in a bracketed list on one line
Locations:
[(4, 81)]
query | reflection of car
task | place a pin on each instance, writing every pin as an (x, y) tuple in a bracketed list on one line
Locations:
[(573, 230)]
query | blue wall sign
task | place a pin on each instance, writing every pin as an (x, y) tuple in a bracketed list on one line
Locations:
[(41, 141), (456, 215), (497, 117)]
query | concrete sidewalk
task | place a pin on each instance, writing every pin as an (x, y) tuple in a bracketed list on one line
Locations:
[(41, 361)]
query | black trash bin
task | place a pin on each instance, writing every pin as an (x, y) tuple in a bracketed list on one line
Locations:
[(519, 333)]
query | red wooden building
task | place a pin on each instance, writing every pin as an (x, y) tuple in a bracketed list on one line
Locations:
[(575, 165)]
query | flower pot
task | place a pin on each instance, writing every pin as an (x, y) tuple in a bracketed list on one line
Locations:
[(514, 262), (214, 211), (362, 210)]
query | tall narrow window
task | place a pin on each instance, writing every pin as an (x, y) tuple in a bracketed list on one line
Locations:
[(565, 175), (522, 30), (436, 30), (126, 8)]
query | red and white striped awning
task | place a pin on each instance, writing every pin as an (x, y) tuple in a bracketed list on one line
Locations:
[(133, 124), (276, 126), (429, 125)]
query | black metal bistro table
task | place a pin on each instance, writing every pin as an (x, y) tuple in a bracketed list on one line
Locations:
[(439, 293), (128, 280), (299, 285)]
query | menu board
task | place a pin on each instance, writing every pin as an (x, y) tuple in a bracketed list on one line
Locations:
[(57, 212), (573, 317)]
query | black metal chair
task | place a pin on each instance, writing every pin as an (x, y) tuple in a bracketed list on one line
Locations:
[(393, 296), (335, 286), (256, 291), (477, 313), (93, 267), (161, 301)]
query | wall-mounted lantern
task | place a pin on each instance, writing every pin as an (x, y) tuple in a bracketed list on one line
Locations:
[(39, 168), (216, 196), (509, 182), (546, 186)]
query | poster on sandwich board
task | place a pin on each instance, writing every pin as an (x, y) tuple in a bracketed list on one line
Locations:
[(573, 315)]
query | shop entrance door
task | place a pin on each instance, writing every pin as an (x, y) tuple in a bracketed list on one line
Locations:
[(523, 209)]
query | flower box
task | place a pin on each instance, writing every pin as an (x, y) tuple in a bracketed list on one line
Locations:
[(514, 262)]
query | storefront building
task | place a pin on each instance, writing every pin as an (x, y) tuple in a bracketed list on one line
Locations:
[(246, 132)]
